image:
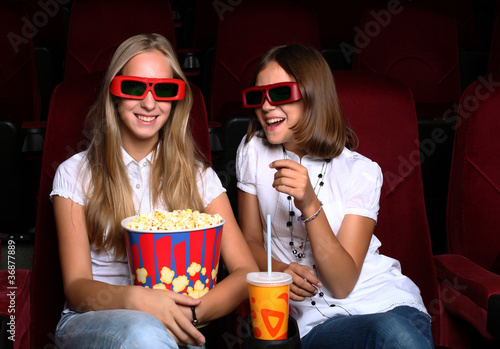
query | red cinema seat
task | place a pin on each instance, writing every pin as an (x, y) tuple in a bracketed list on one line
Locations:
[(97, 28), (470, 274), (373, 105), (417, 45), (244, 35)]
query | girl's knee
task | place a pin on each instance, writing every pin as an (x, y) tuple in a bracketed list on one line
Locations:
[(393, 331)]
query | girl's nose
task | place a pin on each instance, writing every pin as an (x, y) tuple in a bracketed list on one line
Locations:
[(266, 105), (149, 101)]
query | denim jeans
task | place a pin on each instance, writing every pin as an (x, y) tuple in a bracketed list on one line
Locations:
[(401, 327), (110, 329)]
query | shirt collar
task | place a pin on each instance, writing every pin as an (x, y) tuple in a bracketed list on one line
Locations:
[(306, 159), (127, 159)]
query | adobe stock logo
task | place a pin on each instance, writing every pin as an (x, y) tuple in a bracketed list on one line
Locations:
[(48, 9)]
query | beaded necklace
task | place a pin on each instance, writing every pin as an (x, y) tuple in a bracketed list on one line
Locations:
[(291, 213), (300, 255)]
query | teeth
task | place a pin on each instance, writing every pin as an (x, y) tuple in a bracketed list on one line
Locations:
[(272, 121), (146, 118)]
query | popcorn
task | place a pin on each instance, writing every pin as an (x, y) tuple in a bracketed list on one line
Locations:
[(193, 268), (180, 283), (159, 286), (198, 291), (176, 220), (141, 273), (214, 272), (167, 275)]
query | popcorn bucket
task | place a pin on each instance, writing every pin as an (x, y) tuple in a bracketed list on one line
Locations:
[(185, 261)]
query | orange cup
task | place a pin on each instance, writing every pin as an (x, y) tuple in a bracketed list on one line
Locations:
[(269, 303)]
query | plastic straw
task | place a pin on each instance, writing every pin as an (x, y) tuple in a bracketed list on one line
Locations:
[(269, 263)]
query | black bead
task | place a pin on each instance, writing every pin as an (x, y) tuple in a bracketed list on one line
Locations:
[(327, 161), (313, 303), (289, 223), (321, 184), (291, 213), (291, 243), (289, 197), (294, 251), (320, 176), (332, 305), (301, 255), (321, 294)]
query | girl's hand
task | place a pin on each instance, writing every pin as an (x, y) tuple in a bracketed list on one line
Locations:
[(171, 309), (293, 179), (304, 279)]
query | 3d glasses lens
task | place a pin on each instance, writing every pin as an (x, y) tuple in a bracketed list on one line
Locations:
[(254, 97), (280, 94), (165, 90), (133, 88)]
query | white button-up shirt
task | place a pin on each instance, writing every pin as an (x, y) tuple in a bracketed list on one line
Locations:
[(71, 181), (352, 185)]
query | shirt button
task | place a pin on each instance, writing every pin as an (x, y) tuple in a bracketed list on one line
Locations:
[(144, 164), (137, 186)]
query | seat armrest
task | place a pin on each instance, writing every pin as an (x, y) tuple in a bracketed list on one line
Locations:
[(33, 136), (467, 278)]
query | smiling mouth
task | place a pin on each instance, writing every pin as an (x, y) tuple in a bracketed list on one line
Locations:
[(146, 118), (274, 121)]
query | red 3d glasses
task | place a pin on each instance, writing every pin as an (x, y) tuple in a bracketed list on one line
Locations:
[(280, 93), (135, 87)]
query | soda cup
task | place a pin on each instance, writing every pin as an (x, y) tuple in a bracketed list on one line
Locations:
[(269, 303)]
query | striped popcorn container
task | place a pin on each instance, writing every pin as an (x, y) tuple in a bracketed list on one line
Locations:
[(185, 261)]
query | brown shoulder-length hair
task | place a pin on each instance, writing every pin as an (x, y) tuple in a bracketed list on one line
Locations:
[(175, 162), (321, 131)]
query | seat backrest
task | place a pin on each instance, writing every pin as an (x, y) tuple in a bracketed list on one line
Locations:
[(245, 34), (19, 94), (474, 190), (66, 135), (337, 19), (97, 28), (381, 112), (417, 45)]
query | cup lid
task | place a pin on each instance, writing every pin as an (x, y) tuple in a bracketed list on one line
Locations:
[(265, 280)]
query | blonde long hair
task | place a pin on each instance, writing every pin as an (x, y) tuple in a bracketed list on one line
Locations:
[(175, 165), (321, 131)]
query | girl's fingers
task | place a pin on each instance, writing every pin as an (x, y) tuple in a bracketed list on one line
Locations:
[(185, 333), (303, 292)]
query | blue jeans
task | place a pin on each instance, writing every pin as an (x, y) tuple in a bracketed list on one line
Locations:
[(401, 327), (109, 329)]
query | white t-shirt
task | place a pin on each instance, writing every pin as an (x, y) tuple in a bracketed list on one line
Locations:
[(351, 186), (71, 179)]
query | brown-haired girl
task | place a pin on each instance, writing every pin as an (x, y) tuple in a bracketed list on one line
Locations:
[(298, 164)]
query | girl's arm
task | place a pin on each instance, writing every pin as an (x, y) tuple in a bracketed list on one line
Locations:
[(250, 222), (339, 259), (83, 293), (233, 289)]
